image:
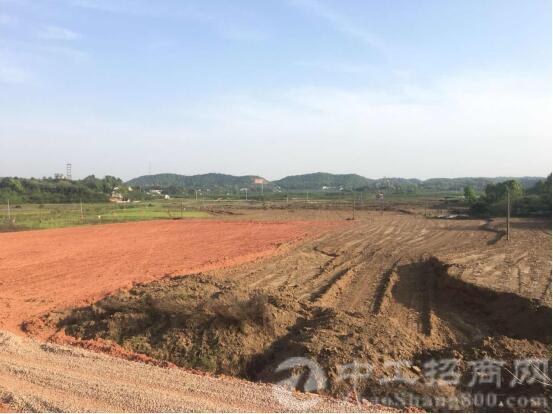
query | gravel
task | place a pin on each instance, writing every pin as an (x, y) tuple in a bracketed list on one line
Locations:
[(35, 376)]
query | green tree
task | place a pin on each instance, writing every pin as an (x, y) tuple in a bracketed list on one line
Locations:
[(48, 190), (498, 192), (470, 194)]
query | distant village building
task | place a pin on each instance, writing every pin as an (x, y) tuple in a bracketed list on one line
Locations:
[(117, 197)]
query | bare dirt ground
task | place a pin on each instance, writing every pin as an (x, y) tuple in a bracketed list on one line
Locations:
[(48, 269), (387, 286), (35, 376), (477, 249)]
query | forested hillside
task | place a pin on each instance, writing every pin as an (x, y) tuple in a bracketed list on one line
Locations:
[(51, 190), (212, 181), (320, 181), (92, 189)]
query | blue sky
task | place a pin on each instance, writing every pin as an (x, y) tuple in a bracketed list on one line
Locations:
[(380, 88)]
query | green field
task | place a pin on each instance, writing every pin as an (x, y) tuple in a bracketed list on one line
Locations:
[(45, 216)]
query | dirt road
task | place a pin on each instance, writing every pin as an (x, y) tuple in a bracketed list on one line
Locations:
[(48, 269), (44, 377)]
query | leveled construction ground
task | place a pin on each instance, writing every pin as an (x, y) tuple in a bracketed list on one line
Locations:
[(48, 269), (387, 286)]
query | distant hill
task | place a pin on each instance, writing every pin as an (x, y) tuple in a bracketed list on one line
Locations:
[(479, 183), (320, 181), (212, 181)]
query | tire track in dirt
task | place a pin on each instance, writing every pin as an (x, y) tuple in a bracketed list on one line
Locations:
[(379, 239), (383, 290)]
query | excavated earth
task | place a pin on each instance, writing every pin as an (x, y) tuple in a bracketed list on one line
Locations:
[(386, 287)]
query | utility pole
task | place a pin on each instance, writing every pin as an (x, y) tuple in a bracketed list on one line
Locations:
[(353, 205), (9, 211), (508, 215), (181, 208), (82, 215)]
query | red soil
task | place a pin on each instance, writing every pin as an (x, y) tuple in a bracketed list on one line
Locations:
[(51, 269)]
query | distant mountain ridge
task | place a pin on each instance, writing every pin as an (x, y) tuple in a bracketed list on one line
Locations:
[(319, 181), (210, 180)]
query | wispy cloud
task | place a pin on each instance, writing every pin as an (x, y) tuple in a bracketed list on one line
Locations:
[(337, 67), (66, 53), (339, 22), (6, 20), (13, 74), (95, 5), (150, 9), (57, 33), (456, 117), (229, 30)]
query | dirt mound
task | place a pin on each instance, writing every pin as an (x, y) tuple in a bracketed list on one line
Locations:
[(220, 326), (192, 321)]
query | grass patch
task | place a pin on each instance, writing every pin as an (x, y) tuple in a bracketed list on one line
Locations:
[(47, 216)]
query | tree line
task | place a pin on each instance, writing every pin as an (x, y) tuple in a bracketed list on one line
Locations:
[(54, 190), (535, 200)]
